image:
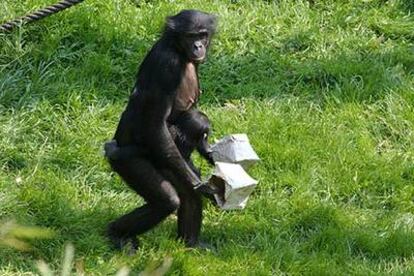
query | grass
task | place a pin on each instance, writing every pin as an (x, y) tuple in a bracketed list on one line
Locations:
[(324, 91)]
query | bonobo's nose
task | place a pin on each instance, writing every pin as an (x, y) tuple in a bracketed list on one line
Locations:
[(198, 45)]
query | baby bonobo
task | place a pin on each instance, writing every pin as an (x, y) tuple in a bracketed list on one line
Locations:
[(190, 132)]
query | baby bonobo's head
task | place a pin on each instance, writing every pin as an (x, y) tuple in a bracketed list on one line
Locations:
[(195, 126)]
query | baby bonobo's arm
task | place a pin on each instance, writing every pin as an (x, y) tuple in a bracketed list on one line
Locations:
[(204, 149), (114, 152)]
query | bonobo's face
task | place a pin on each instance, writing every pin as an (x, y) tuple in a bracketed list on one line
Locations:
[(197, 131), (193, 31), (204, 141), (195, 45)]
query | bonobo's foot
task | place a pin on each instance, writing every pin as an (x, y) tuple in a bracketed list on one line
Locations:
[(128, 244)]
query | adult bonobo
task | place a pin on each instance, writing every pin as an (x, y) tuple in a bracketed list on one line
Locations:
[(166, 86)]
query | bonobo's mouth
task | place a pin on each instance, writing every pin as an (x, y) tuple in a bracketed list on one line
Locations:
[(198, 59)]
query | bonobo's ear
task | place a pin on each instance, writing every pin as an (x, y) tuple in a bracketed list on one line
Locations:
[(212, 23), (171, 25)]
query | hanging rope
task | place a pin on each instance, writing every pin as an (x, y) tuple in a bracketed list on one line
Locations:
[(40, 14)]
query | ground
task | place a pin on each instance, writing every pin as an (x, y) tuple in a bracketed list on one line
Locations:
[(324, 92)]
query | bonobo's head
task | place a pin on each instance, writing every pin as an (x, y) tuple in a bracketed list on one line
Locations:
[(192, 31)]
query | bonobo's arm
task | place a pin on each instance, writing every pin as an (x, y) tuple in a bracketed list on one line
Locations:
[(206, 153), (160, 142), (204, 150)]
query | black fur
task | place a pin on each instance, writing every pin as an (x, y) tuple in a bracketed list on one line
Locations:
[(190, 132), (166, 88)]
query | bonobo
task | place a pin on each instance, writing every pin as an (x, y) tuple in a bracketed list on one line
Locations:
[(166, 86), (190, 132)]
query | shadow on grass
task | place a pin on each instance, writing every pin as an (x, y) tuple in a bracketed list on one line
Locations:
[(80, 58), (344, 78), (101, 66), (407, 6)]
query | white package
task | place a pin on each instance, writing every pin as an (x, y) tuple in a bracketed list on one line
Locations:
[(234, 184), (235, 148)]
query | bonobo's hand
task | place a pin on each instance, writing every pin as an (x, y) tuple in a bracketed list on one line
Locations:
[(208, 192), (205, 189)]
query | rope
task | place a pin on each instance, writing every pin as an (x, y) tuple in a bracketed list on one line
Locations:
[(39, 14)]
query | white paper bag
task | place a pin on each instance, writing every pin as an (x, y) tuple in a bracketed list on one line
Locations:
[(234, 184), (235, 148)]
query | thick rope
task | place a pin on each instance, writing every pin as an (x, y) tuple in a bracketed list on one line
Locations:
[(39, 14)]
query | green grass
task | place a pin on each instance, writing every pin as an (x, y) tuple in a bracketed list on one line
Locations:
[(325, 93)]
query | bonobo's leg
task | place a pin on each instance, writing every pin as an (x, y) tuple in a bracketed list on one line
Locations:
[(189, 213), (160, 195), (189, 216)]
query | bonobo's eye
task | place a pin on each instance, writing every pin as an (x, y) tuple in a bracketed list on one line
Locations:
[(203, 34), (204, 37), (197, 35), (191, 35)]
